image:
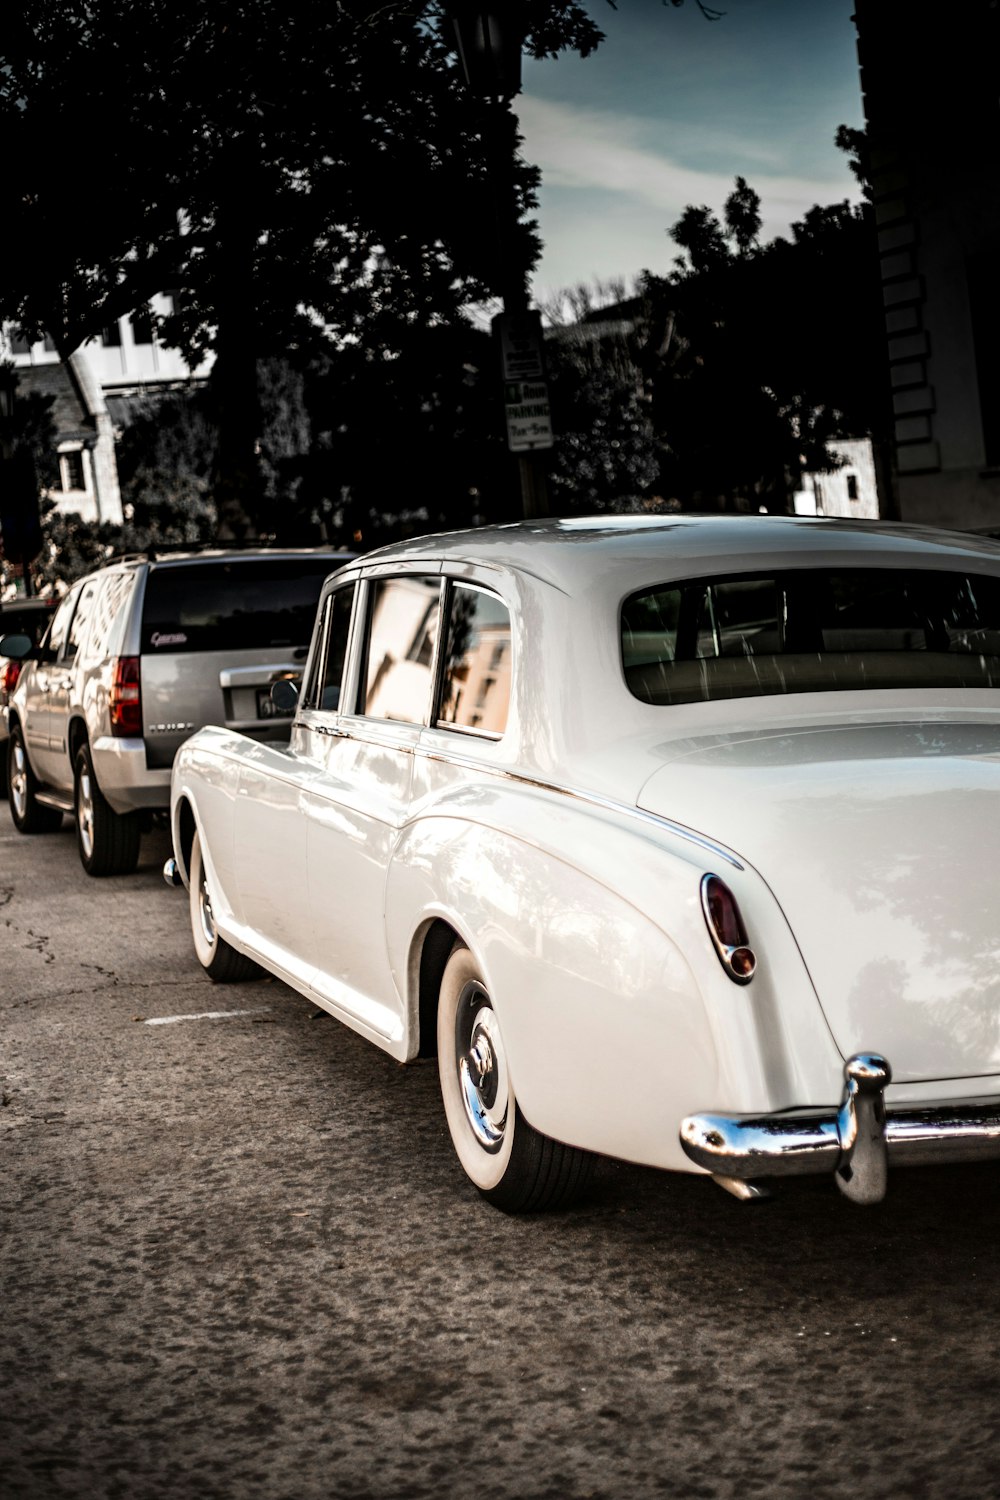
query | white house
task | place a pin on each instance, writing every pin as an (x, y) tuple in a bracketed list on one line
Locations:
[(104, 374)]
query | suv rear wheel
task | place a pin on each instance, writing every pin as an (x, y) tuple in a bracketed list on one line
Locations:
[(108, 841), (29, 815)]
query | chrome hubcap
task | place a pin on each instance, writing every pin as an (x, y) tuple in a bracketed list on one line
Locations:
[(482, 1067), (205, 913), (85, 813), (19, 778)]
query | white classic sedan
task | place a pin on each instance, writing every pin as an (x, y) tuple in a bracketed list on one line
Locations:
[(674, 840)]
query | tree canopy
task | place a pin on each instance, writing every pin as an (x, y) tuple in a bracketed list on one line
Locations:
[(325, 156)]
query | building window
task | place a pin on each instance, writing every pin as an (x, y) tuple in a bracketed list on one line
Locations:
[(142, 326), (852, 486), (49, 344), (111, 337), (18, 343), (71, 465)]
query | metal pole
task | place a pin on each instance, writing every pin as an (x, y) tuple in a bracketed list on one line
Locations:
[(511, 281)]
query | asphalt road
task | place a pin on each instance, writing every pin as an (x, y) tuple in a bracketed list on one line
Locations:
[(239, 1260)]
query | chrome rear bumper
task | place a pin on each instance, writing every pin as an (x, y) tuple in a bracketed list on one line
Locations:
[(857, 1142)]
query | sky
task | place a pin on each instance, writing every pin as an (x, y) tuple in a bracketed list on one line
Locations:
[(669, 110)]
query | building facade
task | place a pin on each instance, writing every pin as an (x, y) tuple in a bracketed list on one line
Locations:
[(929, 84), (90, 394)]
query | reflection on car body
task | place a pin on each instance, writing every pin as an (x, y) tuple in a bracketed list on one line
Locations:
[(660, 835)]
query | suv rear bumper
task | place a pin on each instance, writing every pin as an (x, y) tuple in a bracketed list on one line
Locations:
[(124, 778)]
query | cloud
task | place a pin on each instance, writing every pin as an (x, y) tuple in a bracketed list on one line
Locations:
[(590, 151)]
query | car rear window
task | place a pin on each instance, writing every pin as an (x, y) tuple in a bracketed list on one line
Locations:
[(811, 630), (233, 606)]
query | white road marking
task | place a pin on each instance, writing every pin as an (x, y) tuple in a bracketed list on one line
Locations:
[(206, 1015)]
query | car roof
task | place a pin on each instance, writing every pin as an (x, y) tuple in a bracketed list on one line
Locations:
[(613, 548)]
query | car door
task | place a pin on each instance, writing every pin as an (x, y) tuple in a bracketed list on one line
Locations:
[(64, 686), (360, 801), (41, 684)]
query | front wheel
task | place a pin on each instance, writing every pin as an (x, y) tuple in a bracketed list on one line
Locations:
[(512, 1164), (218, 958), (108, 841), (29, 815)]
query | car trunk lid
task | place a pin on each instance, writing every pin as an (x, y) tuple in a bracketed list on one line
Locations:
[(882, 845)]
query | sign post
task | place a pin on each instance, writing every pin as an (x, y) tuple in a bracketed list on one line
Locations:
[(526, 400)]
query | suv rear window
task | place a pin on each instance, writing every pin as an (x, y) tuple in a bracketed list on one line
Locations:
[(233, 606), (814, 630)]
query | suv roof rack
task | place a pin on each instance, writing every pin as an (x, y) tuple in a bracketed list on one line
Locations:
[(195, 549)]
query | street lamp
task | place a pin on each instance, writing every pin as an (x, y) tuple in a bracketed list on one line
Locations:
[(489, 47), (489, 40)]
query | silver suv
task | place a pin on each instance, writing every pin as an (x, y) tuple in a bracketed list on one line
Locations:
[(138, 656)]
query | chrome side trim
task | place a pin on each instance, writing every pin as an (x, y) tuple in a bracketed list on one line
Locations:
[(595, 799), (857, 1141)]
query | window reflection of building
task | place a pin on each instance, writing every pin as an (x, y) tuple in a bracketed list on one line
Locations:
[(401, 648), (481, 682)]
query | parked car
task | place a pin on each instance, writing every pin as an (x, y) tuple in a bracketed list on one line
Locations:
[(138, 656), (676, 840), (28, 617)]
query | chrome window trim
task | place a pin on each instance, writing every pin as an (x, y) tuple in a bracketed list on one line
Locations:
[(450, 583), (359, 686), (468, 730)]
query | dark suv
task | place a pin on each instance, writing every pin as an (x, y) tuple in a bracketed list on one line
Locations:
[(138, 656)]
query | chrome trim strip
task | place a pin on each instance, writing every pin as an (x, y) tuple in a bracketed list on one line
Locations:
[(467, 763), (595, 799), (468, 730)]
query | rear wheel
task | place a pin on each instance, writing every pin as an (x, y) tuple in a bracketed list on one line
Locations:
[(218, 958), (29, 815), (511, 1163), (108, 841)]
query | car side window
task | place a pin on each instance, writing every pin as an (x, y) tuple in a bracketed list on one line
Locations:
[(112, 594), (323, 689), (80, 624), (58, 630), (400, 643), (475, 688)]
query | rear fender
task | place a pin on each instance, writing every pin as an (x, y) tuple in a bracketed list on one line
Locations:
[(605, 1029)]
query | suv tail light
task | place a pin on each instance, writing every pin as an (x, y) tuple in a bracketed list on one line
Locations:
[(727, 929), (8, 678), (124, 702)]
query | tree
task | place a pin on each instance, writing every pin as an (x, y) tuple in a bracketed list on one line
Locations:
[(773, 350), (285, 166), (606, 455)]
